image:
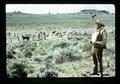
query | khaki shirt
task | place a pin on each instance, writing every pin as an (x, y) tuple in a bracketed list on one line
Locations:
[(104, 36)]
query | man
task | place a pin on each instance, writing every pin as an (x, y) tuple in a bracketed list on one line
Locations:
[(99, 39)]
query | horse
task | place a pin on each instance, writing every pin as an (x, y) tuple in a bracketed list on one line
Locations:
[(25, 37)]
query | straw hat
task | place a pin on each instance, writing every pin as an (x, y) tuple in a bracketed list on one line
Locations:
[(100, 23)]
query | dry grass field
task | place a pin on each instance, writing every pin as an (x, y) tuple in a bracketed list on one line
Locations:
[(57, 46)]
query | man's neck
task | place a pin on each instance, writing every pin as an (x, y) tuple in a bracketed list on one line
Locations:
[(98, 29)]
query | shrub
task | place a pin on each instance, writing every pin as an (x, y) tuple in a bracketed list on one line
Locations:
[(27, 46), (40, 51), (28, 53), (10, 55), (60, 44), (16, 71), (51, 74), (65, 54), (85, 45), (37, 59)]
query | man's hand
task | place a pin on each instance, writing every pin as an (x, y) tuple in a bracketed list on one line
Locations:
[(95, 43), (98, 45), (90, 42)]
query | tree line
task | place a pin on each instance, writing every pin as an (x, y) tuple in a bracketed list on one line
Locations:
[(92, 11)]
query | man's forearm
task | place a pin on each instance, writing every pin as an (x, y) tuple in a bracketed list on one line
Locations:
[(101, 42)]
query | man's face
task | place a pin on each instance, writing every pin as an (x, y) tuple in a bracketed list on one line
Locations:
[(98, 26)]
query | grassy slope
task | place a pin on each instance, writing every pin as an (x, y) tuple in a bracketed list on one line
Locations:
[(80, 48)]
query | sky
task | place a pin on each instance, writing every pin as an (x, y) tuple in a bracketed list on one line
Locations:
[(57, 8)]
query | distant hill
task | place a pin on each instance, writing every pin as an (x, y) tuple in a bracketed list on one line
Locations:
[(17, 13)]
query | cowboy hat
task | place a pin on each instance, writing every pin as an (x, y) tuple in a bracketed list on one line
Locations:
[(100, 23)]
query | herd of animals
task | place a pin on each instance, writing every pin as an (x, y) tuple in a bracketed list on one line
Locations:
[(44, 35)]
